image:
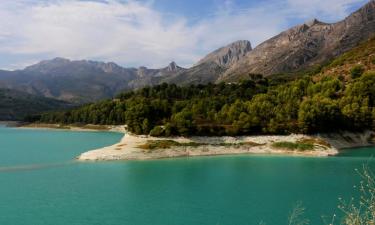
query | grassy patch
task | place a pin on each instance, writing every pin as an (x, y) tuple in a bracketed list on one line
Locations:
[(315, 141), (166, 144), (293, 145)]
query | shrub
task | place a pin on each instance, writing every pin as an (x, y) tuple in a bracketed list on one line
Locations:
[(166, 144), (357, 71), (162, 144), (157, 131)]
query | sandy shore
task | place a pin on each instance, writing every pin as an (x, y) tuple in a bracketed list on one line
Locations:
[(89, 127), (128, 148)]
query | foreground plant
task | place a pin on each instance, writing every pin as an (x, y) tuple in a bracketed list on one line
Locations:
[(361, 211), (296, 217)]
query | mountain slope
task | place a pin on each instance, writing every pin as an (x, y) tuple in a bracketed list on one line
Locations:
[(211, 66), (80, 81), (296, 49), (361, 57), (15, 105), (307, 44), (339, 98)]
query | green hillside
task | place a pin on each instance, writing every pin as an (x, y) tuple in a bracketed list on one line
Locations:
[(360, 58), (16, 105), (339, 97)]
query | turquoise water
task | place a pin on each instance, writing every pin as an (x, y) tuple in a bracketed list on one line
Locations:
[(40, 184)]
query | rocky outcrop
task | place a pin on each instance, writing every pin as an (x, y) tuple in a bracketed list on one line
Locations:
[(211, 66), (228, 55)]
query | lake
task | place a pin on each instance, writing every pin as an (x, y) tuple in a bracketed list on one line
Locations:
[(40, 183)]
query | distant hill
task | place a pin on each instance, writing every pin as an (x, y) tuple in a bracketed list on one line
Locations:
[(16, 105), (80, 81), (299, 48)]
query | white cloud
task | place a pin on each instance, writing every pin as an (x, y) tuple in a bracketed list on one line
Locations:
[(133, 33)]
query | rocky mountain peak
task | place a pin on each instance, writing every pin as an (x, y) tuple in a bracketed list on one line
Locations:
[(228, 55), (172, 67), (109, 67), (313, 22), (46, 65)]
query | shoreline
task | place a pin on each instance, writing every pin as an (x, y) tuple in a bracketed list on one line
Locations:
[(72, 127), (129, 146)]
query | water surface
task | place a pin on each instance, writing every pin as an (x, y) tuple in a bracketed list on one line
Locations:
[(40, 184)]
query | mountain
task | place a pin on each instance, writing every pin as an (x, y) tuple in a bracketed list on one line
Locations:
[(228, 55), (305, 45), (81, 81), (211, 66), (341, 97), (16, 105), (297, 49)]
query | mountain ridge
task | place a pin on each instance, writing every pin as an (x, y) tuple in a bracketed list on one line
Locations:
[(307, 44), (300, 47)]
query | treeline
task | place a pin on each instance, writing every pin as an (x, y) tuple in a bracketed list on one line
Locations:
[(255, 106)]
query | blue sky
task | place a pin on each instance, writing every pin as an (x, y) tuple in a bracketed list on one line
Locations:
[(149, 33)]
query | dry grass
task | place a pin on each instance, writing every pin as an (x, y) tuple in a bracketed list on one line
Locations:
[(362, 210)]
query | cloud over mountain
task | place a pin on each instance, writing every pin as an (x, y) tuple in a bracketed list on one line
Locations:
[(134, 33)]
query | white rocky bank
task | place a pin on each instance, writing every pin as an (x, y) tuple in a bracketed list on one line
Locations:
[(128, 147)]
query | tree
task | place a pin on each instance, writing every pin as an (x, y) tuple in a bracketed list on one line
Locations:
[(157, 131), (318, 114)]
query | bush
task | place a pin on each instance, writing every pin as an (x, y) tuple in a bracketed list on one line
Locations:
[(162, 144), (157, 131), (357, 71)]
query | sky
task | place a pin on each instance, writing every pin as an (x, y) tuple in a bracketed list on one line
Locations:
[(150, 33)]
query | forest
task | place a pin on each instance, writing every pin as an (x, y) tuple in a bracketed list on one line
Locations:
[(258, 105)]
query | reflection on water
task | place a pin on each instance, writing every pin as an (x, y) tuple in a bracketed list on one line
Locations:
[(34, 166)]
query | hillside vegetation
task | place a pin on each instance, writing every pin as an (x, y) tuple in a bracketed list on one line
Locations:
[(16, 105), (361, 58), (340, 97)]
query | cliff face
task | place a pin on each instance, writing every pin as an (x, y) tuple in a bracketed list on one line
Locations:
[(228, 55)]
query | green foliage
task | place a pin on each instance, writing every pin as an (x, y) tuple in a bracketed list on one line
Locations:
[(166, 144), (17, 105), (249, 107), (318, 114), (357, 71), (293, 145), (157, 131)]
